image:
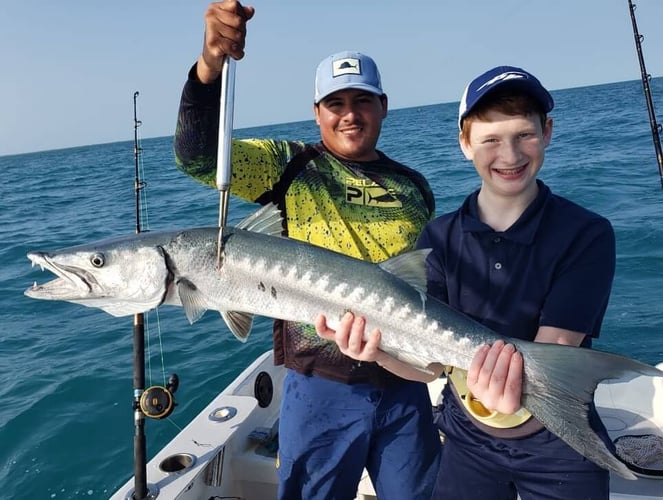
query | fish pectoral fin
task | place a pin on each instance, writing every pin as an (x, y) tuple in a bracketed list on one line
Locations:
[(239, 323), (192, 301)]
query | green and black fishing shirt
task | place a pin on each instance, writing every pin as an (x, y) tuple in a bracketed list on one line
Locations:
[(368, 210)]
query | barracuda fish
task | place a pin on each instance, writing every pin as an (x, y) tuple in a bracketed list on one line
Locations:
[(261, 273)]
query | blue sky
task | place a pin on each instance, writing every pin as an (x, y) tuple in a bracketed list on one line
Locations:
[(70, 67)]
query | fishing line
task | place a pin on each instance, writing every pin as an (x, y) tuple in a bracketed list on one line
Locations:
[(169, 419), (142, 225), (148, 347), (159, 336)]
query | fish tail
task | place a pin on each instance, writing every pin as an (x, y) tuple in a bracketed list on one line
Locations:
[(559, 387)]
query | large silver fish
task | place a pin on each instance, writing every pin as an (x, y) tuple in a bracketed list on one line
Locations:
[(261, 273)]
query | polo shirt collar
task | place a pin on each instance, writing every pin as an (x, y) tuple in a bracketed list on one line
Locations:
[(522, 231)]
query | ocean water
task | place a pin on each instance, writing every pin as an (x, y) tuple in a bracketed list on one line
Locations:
[(66, 423)]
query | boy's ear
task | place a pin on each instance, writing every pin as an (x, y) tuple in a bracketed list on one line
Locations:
[(465, 147), (547, 132)]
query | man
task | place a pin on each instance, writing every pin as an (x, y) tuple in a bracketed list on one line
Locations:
[(337, 416), (528, 264)]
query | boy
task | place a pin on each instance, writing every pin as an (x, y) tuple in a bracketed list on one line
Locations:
[(528, 264)]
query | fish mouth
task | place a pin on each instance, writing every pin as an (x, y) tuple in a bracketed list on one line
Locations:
[(71, 283)]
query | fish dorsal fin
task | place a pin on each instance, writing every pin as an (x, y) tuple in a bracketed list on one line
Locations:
[(266, 220), (239, 323), (410, 267), (192, 301)]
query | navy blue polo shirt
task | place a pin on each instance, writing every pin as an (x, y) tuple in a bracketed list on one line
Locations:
[(553, 267)]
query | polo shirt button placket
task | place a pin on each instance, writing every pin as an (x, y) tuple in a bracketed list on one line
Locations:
[(497, 240)]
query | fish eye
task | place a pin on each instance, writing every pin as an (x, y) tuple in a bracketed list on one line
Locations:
[(97, 260)]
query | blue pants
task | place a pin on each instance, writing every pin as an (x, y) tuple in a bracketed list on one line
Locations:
[(539, 467), (329, 431)]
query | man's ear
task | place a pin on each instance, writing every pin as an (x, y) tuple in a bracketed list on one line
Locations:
[(385, 102), (316, 113)]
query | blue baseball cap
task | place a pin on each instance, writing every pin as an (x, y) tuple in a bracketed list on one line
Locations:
[(502, 76), (346, 70)]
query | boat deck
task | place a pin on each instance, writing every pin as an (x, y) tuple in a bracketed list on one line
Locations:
[(229, 449)]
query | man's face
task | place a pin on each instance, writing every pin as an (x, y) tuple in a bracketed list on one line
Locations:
[(350, 122)]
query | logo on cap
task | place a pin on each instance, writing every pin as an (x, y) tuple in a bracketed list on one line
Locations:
[(346, 66), (502, 78)]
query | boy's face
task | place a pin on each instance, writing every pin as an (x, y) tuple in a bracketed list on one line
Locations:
[(507, 151)]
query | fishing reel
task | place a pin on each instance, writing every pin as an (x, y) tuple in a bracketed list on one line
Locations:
[(157, 401)]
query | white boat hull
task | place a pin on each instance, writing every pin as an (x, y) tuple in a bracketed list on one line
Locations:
[(224, 452)]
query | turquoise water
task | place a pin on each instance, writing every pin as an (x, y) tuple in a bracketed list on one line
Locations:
[(66, 424)]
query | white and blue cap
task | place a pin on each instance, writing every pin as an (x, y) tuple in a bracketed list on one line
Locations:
[(346, 70), (503, 76)]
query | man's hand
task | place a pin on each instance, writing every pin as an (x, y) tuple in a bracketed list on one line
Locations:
[(225, 33)]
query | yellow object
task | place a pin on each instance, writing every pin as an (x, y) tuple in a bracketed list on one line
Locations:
[(488, 417)]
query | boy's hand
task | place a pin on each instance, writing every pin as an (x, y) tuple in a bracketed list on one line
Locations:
[(495, 377)]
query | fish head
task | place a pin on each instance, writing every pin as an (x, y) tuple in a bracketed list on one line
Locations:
[(121, 276)]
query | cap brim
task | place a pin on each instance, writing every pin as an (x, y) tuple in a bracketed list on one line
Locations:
[(349, 86)]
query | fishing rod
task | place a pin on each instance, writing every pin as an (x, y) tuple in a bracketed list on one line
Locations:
[(656, 129), (155, 401), (140, 453)]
